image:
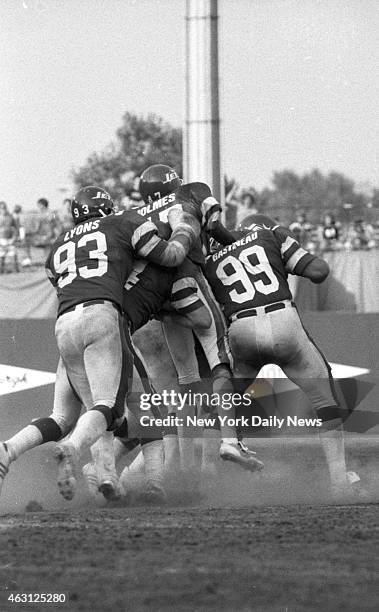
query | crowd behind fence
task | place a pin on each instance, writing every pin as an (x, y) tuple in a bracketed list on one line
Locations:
[(26, 236)]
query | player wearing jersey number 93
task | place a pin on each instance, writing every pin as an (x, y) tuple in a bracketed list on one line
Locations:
[(89, 265)]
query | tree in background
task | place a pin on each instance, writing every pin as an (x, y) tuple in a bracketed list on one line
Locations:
[(140, 143), (313, 194)]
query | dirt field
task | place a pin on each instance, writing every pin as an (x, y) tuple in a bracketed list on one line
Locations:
[(276, 558)]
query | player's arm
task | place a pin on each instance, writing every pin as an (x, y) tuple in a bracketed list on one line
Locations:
[(49, 273), (221, 234), (297, 260), (197, 198), (171, 253), (317, 270)]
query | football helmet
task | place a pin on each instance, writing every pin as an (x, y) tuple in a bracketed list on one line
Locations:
[(248, 222), (158, 181), (89, 202)]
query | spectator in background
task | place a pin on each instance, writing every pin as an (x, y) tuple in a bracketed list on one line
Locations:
[(47, 229), (8, 236), (132, 198), (330, 234), (360, 235), (64, 217), (18, 217), (246, 206), (305, 233)]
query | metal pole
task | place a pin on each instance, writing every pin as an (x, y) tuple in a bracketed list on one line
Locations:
[(201, 148)]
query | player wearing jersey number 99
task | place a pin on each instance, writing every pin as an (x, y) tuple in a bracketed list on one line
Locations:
[(249, 279)]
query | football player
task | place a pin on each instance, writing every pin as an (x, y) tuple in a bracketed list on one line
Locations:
[(249, 279), (162, 190), (148, 288), (89, 265)]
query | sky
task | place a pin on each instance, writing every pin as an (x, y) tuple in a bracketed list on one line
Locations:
[(299, 85)]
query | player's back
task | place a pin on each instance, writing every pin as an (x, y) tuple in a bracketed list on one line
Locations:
[(195, 198), (250, 272), (93, 260), (147, 288)]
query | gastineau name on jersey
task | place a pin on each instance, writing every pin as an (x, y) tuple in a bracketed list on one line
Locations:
[(235, 245), (149, 208)]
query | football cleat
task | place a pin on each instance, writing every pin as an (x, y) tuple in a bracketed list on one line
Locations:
[(350, 490), (91, 202), (89, 473), (158, 181), (240, 453), (110, 489), (4, 463), (65, 456)]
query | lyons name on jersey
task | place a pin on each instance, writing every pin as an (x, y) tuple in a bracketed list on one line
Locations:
[(158, 205), (88, 226), (238, 243)]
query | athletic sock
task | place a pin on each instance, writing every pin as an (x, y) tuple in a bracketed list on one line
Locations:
[(333, 445), (171, 452), (102, 452), (24, 440), (153, 457), (210, 447), (88, 429)]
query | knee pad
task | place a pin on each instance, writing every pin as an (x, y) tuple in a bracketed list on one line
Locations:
[(122, 431), (331, 416), (49, 428), (144, 441)]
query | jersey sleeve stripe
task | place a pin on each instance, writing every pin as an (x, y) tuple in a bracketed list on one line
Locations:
[(287, 244), (295, 259), (142, 235), (185, 309), (302, 264), (180, 294), (154, 243)]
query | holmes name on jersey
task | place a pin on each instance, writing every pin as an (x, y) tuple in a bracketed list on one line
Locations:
[(153, 206), (231, 247)]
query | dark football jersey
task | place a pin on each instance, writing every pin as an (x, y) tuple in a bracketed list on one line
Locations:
[(253, 271), (194, 198), (93, 259), (186, 291), (147, 288)]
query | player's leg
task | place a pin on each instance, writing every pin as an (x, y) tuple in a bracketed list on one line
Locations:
[(215, 344), (151, 438), (95, 339), (66, 411), (309, 369), (181, 346)]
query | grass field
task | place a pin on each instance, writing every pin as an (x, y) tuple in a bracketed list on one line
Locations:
[(273, 558), (272, 542)]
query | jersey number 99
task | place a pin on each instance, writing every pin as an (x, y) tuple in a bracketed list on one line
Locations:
[(241, 267)]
